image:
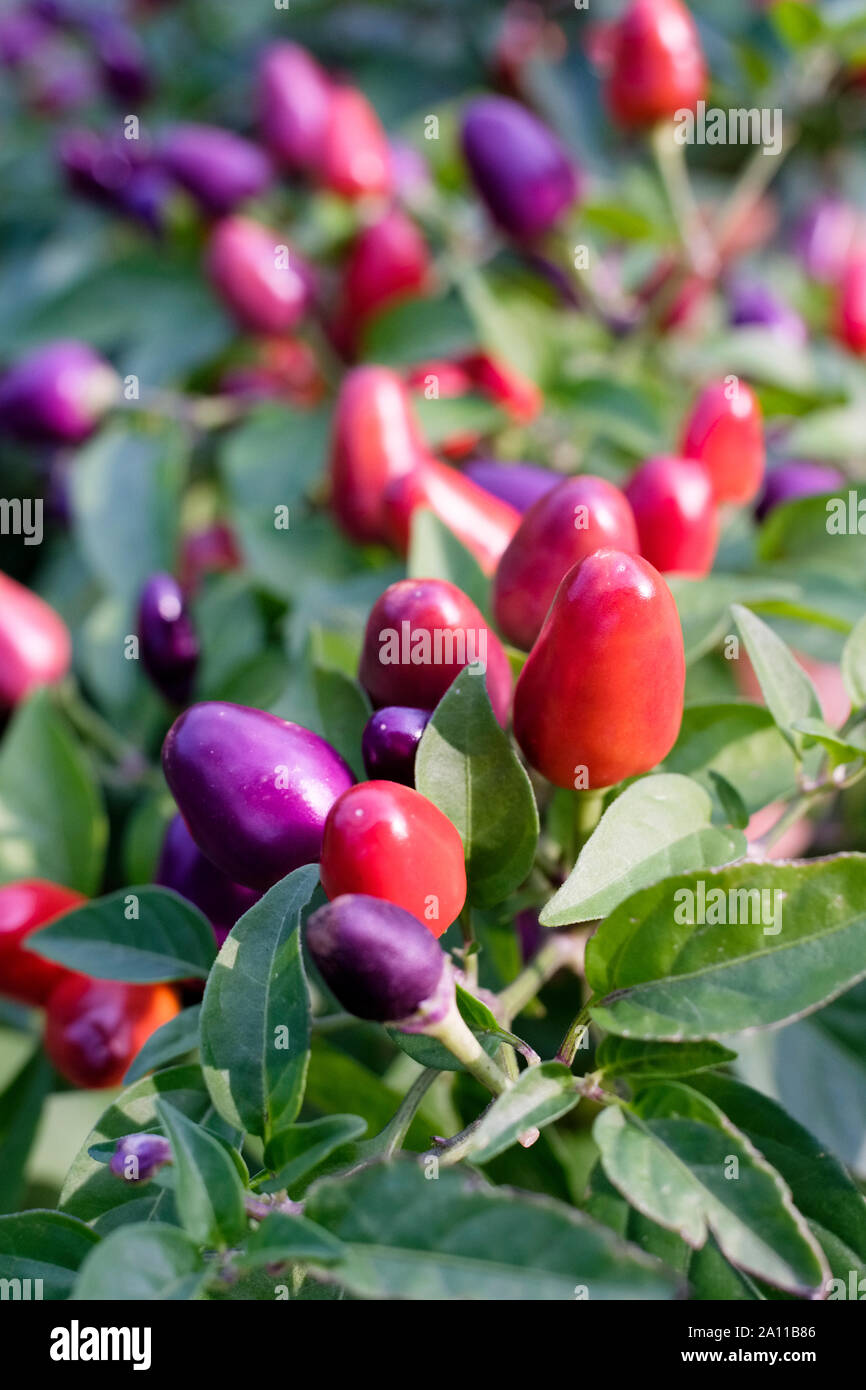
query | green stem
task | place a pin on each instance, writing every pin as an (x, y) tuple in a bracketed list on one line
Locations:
[(670, 157), (561, 949), (453, 1032), (396, 1130), (574, 1037), (470, 948)]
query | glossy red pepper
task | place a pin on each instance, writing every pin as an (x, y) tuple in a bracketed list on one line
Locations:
[(35, 647), (390, 842), (375, 439), (483, 523), (725, 431), (95, 1028), (420, 635), (656, 63), (388, 262), (24, 908), (266, 289), (576, 517), (677, 521), (355, 157), (850, 323), (601, 695)]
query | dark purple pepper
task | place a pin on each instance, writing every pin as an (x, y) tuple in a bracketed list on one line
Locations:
[(521, 484), (137, 1157), (518, 166), (378, 960), (169, 645), (788, 481), (219, 168), (116, 173), (183, 867), (753, 304), (59, 392), (390, 741), (530, 933), (254, 790), (122, 60)]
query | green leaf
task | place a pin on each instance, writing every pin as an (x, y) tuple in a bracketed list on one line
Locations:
[(143, 1263), (657, 827), (20, 1113), (799, 25), (142, 935), (677, 1158), (344, 709), (854, 665), (429, 1052), (704, 605), (803, 941), (126, 488), (436, 553), (208, 1187), (839, 750), (296, 1151), (641, 1061), (820, 1187), (817, 535), (169, 1043), (255, 1018), (46, 1245), (449, 1239), (732, 803), (282, 1239), (91, 1191), (52, 821), (466, 766), (740, 743), (540, 1095), (786, 688)]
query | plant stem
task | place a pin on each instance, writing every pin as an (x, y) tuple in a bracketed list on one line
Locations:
[(462, 1042), (397, 1128), (332, 1023), (470, 952), (670, 157), (574, 1037), (561, 949)]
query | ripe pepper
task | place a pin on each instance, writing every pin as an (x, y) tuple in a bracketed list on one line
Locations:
[(483, 523), (565, 525), (57, 393), (677, 521), (262, 293), (601, 695), (656, 63), (518, 166), (95, 1028), (26, 906), (389, 841), (35, 647), (168, 642), (725, 431), (375, 439), (420, 635)]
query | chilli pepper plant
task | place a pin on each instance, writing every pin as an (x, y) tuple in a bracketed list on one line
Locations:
[(433, 651)]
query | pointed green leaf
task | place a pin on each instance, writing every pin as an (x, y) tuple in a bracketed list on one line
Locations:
[(786, 688), (659, 826), (46, 1245), (143, 1263), (208, 1188), (540, 1095), (142, 935), (169, 1043)]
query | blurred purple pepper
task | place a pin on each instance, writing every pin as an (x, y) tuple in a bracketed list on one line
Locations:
[(751, 303), (121, 58), (380, 962), (390, 741), (59, 392), (22, 35), (263, 281), (137, 1157), (518, 166), (520, 484), (219, 168), (169, 645), (116, 173), (797, 478), (294, 106), (254, 790), (825, 236), (183, 867)]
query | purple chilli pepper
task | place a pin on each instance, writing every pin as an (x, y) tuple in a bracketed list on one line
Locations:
[(122, 60), (57, 393), (183, 867), (254, 790), (168, 642), (137, 1157), (824, 237), (380, 962), (788, 481), (390, 741), (518, 166), (752, 304), (219, 168), (521, 484), (294, 99), (22, 35)]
